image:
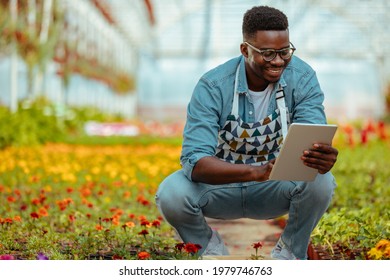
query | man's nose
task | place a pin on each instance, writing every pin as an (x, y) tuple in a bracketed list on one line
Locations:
[(278, 60)]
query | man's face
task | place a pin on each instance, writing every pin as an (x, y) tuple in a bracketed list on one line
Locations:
[(259, 71)]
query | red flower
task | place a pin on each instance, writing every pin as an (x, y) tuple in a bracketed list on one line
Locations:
[(131, 216), (192, 248), (156, 223), (143, 255), (143, 232), (36, 201), (11, 199), (117, 257), (34, 215), (257, 245), (72, 218), (179, 246)]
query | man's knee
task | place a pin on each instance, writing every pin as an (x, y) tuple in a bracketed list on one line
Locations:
[(171, 196), (322, 188)]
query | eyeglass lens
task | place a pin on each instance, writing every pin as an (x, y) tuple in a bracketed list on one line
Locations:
[(271, 54)]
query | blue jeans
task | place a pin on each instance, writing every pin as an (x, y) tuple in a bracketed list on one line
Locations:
[(185, 204)]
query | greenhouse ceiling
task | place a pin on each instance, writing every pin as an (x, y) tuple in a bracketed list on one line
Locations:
[(144, 21)]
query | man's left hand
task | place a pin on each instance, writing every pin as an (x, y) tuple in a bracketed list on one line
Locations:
[(321, 157)]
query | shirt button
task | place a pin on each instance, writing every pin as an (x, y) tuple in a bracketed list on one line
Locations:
[(250, 112)]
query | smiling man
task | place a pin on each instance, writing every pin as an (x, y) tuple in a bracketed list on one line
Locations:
[(237, 119)]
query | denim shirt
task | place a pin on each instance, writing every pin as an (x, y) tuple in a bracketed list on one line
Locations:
[(212, 101)]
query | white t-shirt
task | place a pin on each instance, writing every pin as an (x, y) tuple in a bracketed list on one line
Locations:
[(261, 101)]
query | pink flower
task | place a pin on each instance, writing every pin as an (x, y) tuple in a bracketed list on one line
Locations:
[(6, 257)]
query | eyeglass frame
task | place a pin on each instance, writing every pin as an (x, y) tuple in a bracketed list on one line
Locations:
[(292, 47)]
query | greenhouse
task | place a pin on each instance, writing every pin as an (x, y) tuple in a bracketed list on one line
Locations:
[(93, 106)]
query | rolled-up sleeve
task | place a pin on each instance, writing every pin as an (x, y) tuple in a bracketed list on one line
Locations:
[(201, 130)]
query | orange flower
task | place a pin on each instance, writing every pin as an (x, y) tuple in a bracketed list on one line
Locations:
[(126, 194), (11, 199), (43, 212), (17, 219), (115, 220), (143, 255), (34, 179), (63, 204), (141, 199), (36, 201), (141, 217), (98, 227), (85, 192), (130, 224)]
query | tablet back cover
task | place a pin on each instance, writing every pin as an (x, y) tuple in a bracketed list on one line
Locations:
[(300, 137)]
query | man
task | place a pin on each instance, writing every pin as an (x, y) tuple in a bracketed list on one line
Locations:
[(236, 120)]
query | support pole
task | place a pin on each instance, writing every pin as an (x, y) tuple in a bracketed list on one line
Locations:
[(14, 61)]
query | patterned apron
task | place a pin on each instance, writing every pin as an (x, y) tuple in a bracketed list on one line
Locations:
[(253, 143)]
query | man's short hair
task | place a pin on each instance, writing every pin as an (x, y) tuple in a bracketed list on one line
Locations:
[(263, 18)]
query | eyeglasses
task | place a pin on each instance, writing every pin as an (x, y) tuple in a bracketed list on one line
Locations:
[(270, 54)]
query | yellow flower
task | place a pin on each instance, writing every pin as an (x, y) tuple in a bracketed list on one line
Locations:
[(375, 254)]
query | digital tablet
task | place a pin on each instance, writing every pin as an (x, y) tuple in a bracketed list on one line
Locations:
[(288, 165)]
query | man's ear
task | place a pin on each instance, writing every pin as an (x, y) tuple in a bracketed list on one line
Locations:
[(244, 50)]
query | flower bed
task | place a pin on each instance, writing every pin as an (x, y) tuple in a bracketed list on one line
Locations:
[(68, 201), (86, 202), (359, 217)]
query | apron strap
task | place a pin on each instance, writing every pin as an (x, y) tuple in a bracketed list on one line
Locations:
[(279, 100), (236, 94), (282, 109)]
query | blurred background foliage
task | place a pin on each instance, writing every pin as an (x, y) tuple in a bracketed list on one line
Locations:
[(39, 122)]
